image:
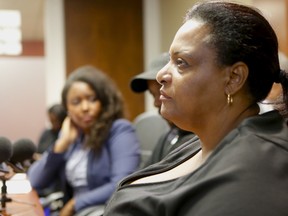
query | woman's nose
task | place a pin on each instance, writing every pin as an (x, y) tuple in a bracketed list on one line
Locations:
[(84, 105), (159, 76), (162, 75)]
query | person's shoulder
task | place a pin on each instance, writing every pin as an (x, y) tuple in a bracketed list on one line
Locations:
[(121, 122), (121, 125), (46, 131), (122, 132), (46, 134)]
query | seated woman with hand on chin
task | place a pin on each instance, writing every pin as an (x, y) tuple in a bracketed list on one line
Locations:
[(223, 60), (96, 147)]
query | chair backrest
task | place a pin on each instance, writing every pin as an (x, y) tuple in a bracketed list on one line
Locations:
[(150, 126)]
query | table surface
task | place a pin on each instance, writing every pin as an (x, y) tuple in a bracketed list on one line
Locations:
[(23, 205), (24, 201)]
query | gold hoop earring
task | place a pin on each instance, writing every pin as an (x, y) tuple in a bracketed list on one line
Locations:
[(229, 99)]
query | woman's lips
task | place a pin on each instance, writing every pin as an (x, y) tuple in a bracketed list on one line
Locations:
[(163, 95), (87, 119)]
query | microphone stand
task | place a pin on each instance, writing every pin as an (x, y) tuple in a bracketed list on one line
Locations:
[(5, 199)]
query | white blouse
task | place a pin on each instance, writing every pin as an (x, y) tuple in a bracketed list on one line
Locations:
[(76, 170)]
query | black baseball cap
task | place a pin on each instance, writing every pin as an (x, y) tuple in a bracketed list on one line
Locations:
[(139, 82)]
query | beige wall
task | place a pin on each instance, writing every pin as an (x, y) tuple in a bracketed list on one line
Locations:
[(22, 94), (277, 14), (172, 14)]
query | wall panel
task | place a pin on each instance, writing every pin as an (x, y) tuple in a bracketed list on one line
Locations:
[(107, 34)]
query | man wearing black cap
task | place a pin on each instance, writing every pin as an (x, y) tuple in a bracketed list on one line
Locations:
[(147, 81)]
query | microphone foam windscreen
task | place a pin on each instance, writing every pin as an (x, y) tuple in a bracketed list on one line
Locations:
[(23, 149), (6, 150)]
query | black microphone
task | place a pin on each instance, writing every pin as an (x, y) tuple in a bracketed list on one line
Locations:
[(5, 149), (6, 152), (23, 151)]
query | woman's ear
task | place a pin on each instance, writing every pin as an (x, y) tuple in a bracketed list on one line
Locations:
[(237, 76)]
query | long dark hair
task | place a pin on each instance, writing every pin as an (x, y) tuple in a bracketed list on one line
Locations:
[(110, 97)]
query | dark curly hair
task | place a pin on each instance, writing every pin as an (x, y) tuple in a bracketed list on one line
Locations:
[(108, 94)]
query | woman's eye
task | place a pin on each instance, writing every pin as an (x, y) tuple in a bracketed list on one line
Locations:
[(92, 98), (180, 62), (75, 101)]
